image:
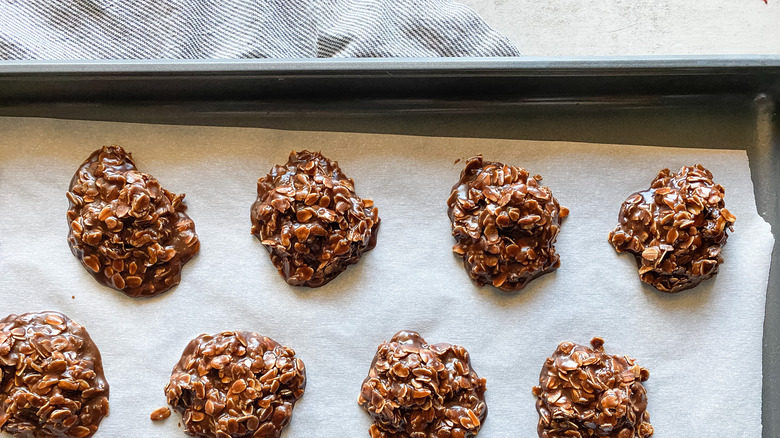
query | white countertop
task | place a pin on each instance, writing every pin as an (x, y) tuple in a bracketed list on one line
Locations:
[(630, 27)]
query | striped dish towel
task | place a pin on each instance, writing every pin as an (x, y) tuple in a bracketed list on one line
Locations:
[(223, 29)]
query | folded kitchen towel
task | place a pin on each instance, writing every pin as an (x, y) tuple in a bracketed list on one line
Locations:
[(220, 29)]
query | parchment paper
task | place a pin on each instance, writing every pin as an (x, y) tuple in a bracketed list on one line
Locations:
[(702, 346)]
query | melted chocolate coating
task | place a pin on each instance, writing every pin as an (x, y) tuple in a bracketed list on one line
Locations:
[(420, 390), (584, 392), (128, 232), (505, 224), (675, 229), (235, 385), (51, 378), (311, 221)]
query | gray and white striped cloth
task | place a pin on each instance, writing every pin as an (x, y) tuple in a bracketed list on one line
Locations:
[(213, 29)]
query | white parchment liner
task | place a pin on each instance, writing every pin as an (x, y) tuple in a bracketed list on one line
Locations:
[(702, 346)]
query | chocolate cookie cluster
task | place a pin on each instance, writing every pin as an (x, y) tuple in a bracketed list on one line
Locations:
[(675, 229), (311, 221), (584, 392), (505, 224), (235, 385), (51, 378), (418, 390), (128, 232)]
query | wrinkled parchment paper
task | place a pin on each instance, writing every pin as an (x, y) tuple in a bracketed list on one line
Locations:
[(702, 346)]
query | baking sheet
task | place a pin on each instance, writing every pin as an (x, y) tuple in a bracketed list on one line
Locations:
[(703, 347)]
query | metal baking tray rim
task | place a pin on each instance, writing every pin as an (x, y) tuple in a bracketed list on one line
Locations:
[(413, 66)]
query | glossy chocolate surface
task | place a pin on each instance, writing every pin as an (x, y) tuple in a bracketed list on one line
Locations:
[(505, 224), (675, 229), (51, 378), (235, 385), (414, 389), (584, 392), (128, 232), (311, 221)]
